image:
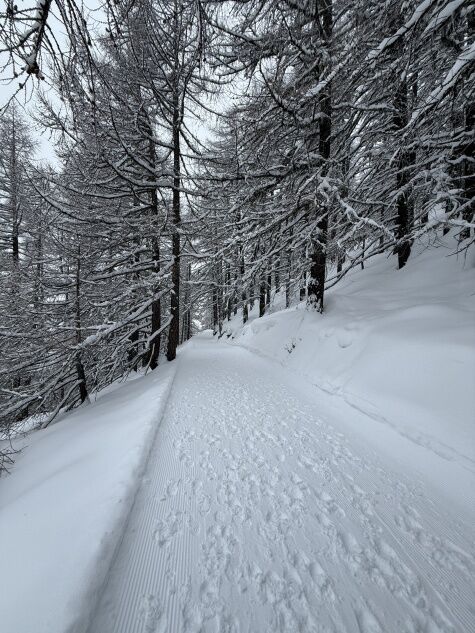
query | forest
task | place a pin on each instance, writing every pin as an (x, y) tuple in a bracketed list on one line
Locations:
[(208, 155), (237, 316)]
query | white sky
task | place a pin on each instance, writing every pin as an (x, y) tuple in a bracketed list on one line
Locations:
[(26, 97), (201, 123)]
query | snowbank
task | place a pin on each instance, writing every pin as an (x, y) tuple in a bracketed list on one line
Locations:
[(63, 508), (398, 346)]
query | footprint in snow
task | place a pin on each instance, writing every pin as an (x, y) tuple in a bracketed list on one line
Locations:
[(151, 615)]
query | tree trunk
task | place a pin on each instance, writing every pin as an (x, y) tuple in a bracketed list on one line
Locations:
[(81, 374), (405, 157), (245, 311), (268, 288), (186, 329), (287, 288), (316, 286), (469, 168), (381, 215), (277, 275), (83, 395), (217, 299), (215, 309), (303, 287), (262, 296), (132, 353), (174, 330), (228, 292), (14, 197), (252, 298), (403, 248), (39, 289), (154, 351), (469, 150), (288, 274)]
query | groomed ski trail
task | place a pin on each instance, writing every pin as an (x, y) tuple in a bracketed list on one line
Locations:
[(257, 516)]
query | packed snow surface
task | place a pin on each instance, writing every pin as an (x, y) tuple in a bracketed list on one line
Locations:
[(260, 513), (320, 481)]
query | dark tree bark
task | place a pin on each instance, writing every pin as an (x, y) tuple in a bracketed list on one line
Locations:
[(405, 157), (316, 286), (400, 119), (217, 298), (81, 374), (287, 287), (154, 351), (381, 216), (132, 353), (469, 150), (215, 310), (39, 289), (245, 311), (174, 330), (14, 202), (83, 395), (262, 296), (303, 289), (228, 292), (186, 326), (288, 274), (469, 168)]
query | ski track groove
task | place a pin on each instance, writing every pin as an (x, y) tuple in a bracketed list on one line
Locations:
[(257, 516)]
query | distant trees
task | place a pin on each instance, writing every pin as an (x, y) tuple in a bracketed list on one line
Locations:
[(349, 132), (20, 277)]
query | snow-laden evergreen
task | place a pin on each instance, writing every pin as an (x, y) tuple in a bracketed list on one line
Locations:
[(210, 154)]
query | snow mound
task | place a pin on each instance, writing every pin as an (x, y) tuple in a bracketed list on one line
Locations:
[(64, 506), (396, 345)]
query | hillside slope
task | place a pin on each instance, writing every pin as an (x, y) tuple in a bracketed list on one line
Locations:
[(399, 346)]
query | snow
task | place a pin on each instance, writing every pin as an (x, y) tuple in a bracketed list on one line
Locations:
[(321, 480), (395, 345), (463, 61), (261, 511), (443, 16), (63, 508), (418, 14)]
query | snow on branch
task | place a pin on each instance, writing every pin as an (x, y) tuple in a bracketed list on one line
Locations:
[(460, 66), (387, 42)]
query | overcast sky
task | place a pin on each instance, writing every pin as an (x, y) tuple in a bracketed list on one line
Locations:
[(201, 123)]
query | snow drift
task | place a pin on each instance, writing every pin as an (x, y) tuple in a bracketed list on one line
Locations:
[(63, 508), (397, 345)]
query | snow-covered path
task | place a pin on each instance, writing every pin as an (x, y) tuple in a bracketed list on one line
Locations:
[(257, 515)]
